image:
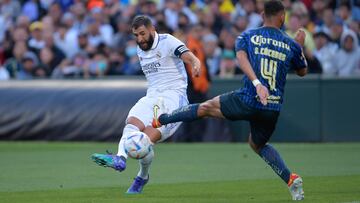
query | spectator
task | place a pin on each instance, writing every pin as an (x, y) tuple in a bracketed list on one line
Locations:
[(255, 20), (344, 12), (228, 67), (212, 53), (95, 36), (48, 24), (47, 61), (337, 29), (299, 9), (28, 69), (9, 10), (348, 58), (36, 41), (317, 12), (132, 64), (105, 29), (172, 10), (66, 40), (241, 24), (13, 64), (57, 53), (22, 21), (326, 53), (70, 68), (212, 18), (97, 66), (31, 10), (55, 13), (79, 11), (327, 21), (122, 35), (294, 25), (116, 63)]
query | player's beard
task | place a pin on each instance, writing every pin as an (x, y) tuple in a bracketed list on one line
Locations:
[(148, 43)]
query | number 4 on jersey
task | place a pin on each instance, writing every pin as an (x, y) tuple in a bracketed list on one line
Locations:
[(268, 71)]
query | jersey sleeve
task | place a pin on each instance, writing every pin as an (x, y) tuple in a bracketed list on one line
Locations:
[(241, 42), (298, 60), (177, 47)]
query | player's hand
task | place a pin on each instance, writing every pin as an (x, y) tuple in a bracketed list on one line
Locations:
[(263, 93), (196, 69), (300, 37)]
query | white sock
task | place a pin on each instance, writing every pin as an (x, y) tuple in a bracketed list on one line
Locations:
[(145, 164), (129, 128)]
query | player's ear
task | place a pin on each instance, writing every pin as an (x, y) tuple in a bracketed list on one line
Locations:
[(263, 15), (152, 28)]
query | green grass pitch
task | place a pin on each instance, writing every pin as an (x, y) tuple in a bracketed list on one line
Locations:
[(63, 172)]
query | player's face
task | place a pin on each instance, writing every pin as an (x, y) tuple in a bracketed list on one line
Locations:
[(144, 37)]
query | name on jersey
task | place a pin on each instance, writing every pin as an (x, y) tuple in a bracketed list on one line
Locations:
[(151, 68), (260, 40), (271, 53)]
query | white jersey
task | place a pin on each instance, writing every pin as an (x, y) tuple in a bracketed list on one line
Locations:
[(163, 68)]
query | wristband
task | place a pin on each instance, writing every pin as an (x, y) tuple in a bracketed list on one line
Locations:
[(256, 82)]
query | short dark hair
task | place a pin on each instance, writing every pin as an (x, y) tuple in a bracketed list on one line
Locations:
[(273, 7), (141, 20)]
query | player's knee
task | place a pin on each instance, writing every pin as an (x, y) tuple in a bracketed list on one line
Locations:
[(206, 108), (128, 129)]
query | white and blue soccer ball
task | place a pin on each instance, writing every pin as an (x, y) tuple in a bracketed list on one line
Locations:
[(137, 145)]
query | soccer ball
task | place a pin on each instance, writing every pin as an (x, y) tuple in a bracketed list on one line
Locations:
[(137, 145)]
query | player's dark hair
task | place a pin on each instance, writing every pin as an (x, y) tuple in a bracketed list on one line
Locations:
[(141, 20), (273, 7)]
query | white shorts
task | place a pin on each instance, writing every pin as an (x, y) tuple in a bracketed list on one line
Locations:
[(143, 110)]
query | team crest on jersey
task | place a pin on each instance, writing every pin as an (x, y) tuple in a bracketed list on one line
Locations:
[(158, 55)]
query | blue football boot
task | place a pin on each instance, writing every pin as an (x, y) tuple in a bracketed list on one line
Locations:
[(137, 186), (110, 160)]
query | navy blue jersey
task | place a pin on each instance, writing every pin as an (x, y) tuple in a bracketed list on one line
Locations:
[(272, 53)]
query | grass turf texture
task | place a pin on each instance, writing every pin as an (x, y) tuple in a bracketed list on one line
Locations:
[(63, 172)]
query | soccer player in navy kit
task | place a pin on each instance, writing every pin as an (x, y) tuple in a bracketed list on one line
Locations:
[(265, 55)]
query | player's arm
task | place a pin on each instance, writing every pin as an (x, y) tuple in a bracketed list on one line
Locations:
[(180, 50), (189, 58), (246, 67), (300, 39)]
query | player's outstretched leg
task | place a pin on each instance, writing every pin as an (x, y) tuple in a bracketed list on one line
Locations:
[(185, 113), (117, 162), (143, 175), (270, 155)]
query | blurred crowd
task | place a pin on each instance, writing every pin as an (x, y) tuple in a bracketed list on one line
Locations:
[(86, 39)]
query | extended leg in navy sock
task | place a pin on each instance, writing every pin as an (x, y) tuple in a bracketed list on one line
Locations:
[(186, 113), (273, 158)]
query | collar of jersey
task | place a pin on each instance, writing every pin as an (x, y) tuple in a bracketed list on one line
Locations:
[(156, 41)]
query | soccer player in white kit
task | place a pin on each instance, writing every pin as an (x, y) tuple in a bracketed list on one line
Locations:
[(161, 57)]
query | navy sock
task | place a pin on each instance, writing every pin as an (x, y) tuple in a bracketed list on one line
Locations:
[(273, 158), (185, 113)]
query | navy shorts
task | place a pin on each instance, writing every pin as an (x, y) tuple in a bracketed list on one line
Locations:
[(262, 122)]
